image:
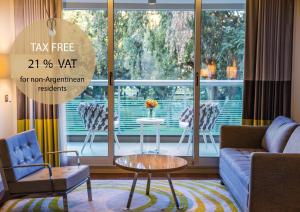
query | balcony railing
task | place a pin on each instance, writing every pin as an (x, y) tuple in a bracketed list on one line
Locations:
[(130, 108)]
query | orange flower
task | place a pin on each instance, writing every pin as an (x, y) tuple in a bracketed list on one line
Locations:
[(151, 103)]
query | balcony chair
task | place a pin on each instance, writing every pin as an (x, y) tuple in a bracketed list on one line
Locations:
[(95, 119), (209, 113), (24, 172)]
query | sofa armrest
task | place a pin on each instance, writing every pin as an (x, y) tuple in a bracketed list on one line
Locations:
[(274, 182), (67, 151), (242, 136)]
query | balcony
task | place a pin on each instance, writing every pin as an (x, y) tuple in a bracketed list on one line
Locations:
[(129, 106)]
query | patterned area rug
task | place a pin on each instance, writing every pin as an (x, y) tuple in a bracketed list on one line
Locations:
[(112, 195)]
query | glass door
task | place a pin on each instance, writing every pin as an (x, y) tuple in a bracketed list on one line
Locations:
[(172, 71), (87, 116), (221, 73), (154, 72)]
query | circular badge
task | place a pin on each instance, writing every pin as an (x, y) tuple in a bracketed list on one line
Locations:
[(52, 61)]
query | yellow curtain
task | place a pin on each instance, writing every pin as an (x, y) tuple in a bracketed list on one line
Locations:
[(45, 117)]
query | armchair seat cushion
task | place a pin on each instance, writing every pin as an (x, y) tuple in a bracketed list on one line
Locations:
[(239, 161), (63, 178)]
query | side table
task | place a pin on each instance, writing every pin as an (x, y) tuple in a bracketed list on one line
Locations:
[(150, 121)]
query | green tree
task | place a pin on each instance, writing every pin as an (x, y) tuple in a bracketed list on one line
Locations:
[(160, 45)]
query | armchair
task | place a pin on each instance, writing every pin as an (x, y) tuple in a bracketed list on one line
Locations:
[(95, 119), (209, 113), (24, 172)]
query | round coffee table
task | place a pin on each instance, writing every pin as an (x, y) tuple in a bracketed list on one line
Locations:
[(150, 163)]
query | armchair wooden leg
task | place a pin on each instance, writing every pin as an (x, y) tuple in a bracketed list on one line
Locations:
[(65, 201), (89, 189)]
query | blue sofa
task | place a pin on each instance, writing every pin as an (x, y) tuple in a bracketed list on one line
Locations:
[(260, 166)]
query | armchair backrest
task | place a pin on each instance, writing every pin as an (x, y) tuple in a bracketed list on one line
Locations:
[(21, 149)]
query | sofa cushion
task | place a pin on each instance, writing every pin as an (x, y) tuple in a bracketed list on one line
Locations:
[(293, 144), (63, 178), (21, 149), (278, 134), (233, 184), (240, 161)]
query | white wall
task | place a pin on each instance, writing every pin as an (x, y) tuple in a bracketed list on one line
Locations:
[(8, 118), (8, 110), (296, 65), (7, 26)]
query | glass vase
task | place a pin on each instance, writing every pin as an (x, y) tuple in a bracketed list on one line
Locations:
[(151, 113)]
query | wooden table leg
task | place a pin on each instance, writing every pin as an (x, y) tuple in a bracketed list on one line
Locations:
[(173, 192), (148, 184), (132, 190)]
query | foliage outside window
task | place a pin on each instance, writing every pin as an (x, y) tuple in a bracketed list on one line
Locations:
[(159, 45)]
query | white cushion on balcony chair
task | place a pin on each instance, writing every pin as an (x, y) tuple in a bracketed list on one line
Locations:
[(183, 125)]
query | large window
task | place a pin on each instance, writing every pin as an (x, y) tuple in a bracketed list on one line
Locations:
[(222, 72), (154, 53), (154, 58), (79, 137)]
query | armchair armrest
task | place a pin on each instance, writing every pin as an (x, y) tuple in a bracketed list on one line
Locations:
[(68, 151), (32, 165), (242, 136), (274, 182)]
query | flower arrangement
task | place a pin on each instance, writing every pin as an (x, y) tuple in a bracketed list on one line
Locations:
[(151, 104)]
